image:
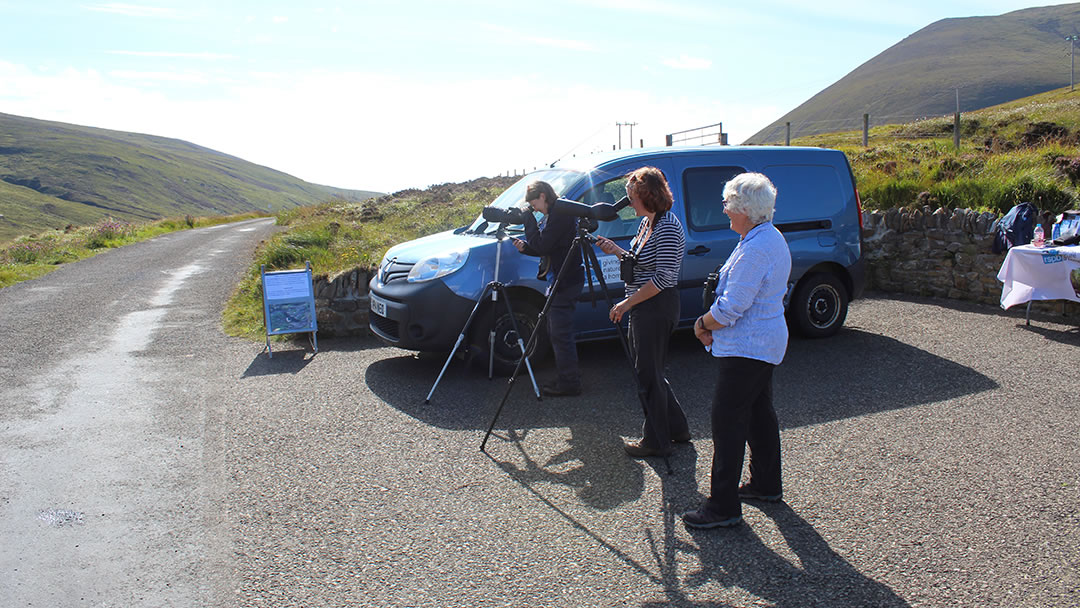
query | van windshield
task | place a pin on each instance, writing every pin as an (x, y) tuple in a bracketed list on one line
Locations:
[(514, 196)]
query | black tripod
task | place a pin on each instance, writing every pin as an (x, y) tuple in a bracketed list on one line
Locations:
[(582, 241), (495, 288)]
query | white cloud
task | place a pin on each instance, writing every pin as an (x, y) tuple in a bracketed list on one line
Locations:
[(574, 45), (512, 36), (280, 19), (686, 62), (134, 75), (135, 10), (173, 54)]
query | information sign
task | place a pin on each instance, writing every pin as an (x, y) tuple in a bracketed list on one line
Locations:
[(289, 304)]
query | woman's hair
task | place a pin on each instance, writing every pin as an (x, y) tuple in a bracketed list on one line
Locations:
[(751, 194), (651, 187), (536, 188)]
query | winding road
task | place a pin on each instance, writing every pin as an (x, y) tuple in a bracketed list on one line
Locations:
[(112, 479)]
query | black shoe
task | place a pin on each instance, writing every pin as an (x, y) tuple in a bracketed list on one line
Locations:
[(703, 519), (684, 438), (747, 492), (637, 450), (554, 390)]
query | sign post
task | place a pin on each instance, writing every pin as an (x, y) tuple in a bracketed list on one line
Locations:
[(289, 304)]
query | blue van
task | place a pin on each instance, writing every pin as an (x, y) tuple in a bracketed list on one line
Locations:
[(424, 290)]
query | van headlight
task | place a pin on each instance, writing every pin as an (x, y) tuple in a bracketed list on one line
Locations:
[(440, 265)]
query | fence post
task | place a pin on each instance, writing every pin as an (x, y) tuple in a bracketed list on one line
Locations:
[(787, 137), (865, 130), (956, 130), (667, 141)]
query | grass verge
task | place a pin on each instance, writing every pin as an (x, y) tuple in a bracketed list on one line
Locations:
[(29, 257)]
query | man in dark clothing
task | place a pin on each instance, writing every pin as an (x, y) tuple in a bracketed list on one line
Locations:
[(554, 238)]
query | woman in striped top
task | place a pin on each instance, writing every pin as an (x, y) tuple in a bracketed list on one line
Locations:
[(652, 305)]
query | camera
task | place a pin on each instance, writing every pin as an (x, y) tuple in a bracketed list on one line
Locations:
[(513, 215)]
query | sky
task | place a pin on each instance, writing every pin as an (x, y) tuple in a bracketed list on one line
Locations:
[(384, 96)]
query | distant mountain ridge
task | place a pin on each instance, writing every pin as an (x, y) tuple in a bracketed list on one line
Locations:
[(990, 60), (53, 174)]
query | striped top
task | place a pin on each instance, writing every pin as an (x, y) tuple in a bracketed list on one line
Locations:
[(659, 259)]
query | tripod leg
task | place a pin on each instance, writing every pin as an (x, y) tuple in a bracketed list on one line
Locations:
[(460, 339), (532, 339), (517, 332)]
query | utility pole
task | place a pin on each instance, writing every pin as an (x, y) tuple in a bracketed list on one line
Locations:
[(1072, 59), (626, 124)]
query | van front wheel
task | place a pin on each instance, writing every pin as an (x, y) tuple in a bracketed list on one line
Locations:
[(819, 306), (507, 350)]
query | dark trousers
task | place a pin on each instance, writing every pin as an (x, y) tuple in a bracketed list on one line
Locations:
[(560, 326), (651, 324), (742, 413)]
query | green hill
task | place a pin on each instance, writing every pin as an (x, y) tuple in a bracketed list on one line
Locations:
[(54, 174), (988, 60)]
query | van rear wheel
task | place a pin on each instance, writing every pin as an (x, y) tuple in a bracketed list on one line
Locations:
[(819, 305), (507, 349)]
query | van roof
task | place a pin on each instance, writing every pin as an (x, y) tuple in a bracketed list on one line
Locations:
[(584, 163)]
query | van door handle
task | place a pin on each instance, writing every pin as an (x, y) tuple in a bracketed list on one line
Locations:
[(699, 250)]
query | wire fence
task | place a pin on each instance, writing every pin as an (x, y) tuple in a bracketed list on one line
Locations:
[(916, 126)]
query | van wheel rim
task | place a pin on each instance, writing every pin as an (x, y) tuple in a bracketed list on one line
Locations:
[(823, 307)]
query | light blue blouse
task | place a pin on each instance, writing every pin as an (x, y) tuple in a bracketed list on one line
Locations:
[(750, 298)]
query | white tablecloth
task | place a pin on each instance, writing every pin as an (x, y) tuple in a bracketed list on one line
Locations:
[(1050, 273)]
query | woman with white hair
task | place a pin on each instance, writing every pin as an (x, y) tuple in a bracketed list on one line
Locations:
[(745, 331)]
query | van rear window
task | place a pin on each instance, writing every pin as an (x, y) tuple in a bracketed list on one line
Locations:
[(805, 192)]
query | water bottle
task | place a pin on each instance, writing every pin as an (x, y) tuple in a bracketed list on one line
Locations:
[(1039, 239)]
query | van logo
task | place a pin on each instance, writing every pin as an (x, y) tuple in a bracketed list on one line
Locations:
[(386, 268)]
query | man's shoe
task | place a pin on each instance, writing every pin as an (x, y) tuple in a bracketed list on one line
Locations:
[(554, 390), (684, 438), (637, 450), (747, 492), (704, 520)]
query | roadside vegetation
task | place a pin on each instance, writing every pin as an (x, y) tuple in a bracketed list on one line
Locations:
[(340, 235), (32, 256)]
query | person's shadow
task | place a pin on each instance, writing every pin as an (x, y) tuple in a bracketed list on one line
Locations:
[(738, 558)]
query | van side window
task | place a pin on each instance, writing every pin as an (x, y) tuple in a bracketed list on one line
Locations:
[(820, 193), (704, 193), (610, 192)]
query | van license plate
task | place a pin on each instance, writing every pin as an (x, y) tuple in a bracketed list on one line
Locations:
[(378, 306)]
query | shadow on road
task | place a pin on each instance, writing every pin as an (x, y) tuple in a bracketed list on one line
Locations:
[(283, 362), (851, 374), (739, 558)]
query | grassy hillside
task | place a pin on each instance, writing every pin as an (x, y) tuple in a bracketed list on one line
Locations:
[(54, 174), (1024, 150), (991, 60)]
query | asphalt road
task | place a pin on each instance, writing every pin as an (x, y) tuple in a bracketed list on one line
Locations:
[(931, 456)]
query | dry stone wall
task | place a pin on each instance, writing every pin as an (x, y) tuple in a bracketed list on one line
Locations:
[(939, 253), (341, 303)]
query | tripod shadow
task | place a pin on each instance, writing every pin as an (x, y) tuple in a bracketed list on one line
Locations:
[(593, 465)]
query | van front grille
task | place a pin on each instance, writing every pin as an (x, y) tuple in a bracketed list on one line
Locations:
[(394, 271), (387, 327)]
